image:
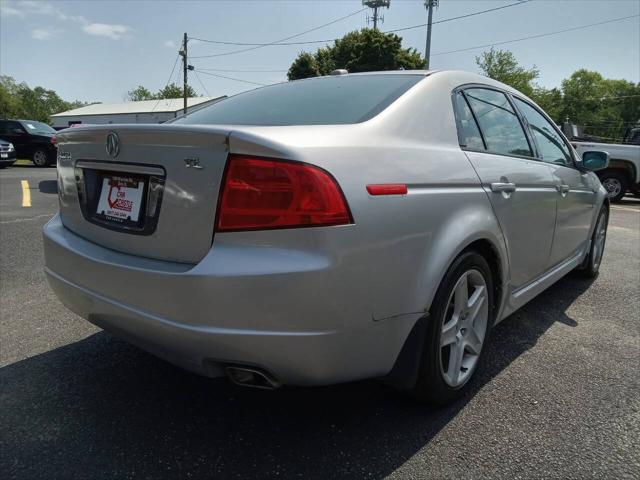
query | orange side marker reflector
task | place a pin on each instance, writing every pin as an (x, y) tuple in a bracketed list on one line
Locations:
[(387, 189)]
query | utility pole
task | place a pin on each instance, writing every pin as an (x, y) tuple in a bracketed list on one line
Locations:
[(429, 4), (375, 5), (185, 69)]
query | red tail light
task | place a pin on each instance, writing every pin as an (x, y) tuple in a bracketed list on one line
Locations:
[(54, 141), (261, 194)]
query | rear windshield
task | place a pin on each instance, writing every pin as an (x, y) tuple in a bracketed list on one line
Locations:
[(316, 101)]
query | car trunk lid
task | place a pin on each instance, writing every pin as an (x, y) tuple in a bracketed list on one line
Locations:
[(148, 190)]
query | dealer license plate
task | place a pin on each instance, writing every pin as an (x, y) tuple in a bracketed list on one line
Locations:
[(121, 198)]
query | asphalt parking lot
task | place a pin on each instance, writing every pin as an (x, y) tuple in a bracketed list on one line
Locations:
[(558, 397)]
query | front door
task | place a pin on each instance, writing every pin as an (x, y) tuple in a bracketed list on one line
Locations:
[(576, 190)]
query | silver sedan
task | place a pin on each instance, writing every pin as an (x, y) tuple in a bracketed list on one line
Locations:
[(326, 230)]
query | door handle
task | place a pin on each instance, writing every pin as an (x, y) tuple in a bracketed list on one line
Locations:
[(503, 187), (563, 189)]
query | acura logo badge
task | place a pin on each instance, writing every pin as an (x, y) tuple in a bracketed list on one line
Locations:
[(113, 144)]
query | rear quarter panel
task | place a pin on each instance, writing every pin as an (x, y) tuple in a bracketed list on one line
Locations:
[(399, 248)]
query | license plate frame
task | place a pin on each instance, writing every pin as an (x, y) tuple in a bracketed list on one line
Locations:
[(122, 199)]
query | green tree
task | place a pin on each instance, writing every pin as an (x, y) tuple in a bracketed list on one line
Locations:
[(17, 100), (10, 104), (604, 107), (501, 65), (140, 93), (304, 66), (174, 91), (360, 51), (550, 100)]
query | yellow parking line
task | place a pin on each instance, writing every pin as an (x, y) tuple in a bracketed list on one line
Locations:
[(26, 194)]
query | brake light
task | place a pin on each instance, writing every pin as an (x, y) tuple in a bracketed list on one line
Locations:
[(54, 141), (261, 193)]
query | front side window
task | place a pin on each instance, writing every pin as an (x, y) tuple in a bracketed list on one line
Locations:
[(468, 133), (551, 146), (498, 121), (314, 101)]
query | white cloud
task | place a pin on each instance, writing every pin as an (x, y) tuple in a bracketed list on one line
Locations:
[(9, 11), (42, 33), (170, 44), (116, 32), (25, 8)]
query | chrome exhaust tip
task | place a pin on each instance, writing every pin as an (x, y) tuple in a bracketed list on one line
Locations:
[(251, 377)]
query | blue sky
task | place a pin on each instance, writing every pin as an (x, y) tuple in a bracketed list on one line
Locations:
[(98, 50)]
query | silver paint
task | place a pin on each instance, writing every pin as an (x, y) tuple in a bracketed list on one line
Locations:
[(315, 305)]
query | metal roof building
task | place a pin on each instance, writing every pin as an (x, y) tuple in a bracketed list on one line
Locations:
[(147, 111)]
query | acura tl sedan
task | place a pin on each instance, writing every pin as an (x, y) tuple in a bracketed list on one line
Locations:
[(326, 230)]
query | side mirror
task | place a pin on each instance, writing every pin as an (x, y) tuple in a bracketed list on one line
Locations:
[(595, 160)]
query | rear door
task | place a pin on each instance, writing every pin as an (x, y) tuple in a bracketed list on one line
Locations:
[(520, 188), (576, 189)]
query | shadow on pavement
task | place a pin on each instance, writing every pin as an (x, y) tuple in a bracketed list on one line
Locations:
[(628, 201), (48, 186), (99, 408)]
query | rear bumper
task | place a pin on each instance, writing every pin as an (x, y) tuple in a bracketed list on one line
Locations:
[(279, 311), (9, 160)]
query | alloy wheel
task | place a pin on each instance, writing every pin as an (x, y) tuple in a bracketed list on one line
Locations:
[(464, 328), (600, 236), (40, 158), (613, 186)]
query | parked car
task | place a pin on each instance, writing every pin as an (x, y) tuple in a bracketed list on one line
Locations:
[(7, 154), (623, 173), (326, 230), (31, 140)]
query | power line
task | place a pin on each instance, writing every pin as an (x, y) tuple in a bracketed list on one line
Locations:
[(309, 42), (231, 78), (241, 71), (474, 47), (535, 36), (275, 41), (168, 81), (201, 84), (445, 20)]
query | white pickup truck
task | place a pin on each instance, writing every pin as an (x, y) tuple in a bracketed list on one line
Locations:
[(623, 173)]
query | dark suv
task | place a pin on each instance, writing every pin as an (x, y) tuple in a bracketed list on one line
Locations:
[(31, 140)]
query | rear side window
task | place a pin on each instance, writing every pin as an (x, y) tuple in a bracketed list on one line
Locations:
[(498, 121), (468, 132), (551, 145), (315, 101)]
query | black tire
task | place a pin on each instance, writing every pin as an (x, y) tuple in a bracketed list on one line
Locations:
[(591, 267), (616, 183), (40, 158), (432, 386)]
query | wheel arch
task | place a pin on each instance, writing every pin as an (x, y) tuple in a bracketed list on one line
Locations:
[(473, 229), (621, 166), (404, 373)]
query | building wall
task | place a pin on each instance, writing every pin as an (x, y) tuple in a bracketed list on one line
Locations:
[(155, 117)]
